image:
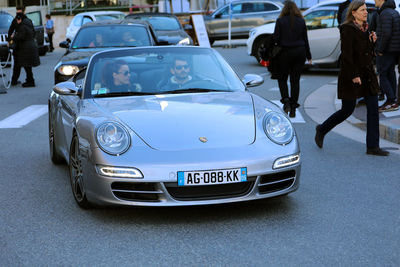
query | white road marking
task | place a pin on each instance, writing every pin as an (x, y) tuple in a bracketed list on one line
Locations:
[(23, 117), (298, 119), (389, 114), (274, 89)]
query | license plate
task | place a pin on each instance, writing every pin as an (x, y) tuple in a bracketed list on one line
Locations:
[(210, 177)]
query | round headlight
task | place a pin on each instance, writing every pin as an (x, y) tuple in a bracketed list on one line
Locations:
[(113, 138), (68, 70), (278, 128)]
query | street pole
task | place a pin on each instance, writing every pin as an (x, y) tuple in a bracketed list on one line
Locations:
[(230, 24)]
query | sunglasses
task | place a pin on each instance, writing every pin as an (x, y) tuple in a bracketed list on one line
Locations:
[(181, 67), (125, 73)]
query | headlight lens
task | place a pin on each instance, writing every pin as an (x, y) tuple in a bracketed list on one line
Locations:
[(185, 41), (278, 128), (68, 70), (113, 138)]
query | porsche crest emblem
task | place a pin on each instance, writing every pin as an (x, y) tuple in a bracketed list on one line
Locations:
[(203, 139)]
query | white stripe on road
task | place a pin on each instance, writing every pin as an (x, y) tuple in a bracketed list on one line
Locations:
[(23, 117), (298, 119)]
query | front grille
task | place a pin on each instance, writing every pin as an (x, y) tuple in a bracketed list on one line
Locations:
[(144, 192), (276, 181), (208, 192)]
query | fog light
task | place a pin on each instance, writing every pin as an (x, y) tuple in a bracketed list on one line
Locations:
[(121, 172), (286, 161)]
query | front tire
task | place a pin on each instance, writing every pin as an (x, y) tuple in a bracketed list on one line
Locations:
[(55, 157), (76, 174)]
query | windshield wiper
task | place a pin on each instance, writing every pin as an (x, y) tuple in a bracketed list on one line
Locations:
[(192, 90), (112, 94)]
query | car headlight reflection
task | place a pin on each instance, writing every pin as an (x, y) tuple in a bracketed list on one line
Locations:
[(68, 70), (113, 138), (278, 128), (185, 41)]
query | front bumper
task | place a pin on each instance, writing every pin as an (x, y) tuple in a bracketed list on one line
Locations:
[(159, 187)]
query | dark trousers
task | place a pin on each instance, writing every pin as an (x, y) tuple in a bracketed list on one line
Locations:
[(51, 41), (387, 77), (291, 62), (347, 109), (17, 72)]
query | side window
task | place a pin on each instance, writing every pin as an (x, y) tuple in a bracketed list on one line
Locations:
[(269, 7), (77, 21), (320, 19), (236, 9), (36, 18), (249, 8), (86, 20)]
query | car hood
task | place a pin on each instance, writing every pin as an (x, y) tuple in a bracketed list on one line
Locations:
[(172, 37), (266, 28), (79, 57), (178, 122)]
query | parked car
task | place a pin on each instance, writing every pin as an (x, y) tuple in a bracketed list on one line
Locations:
[(246, 14), (323, 34), (85, 17), (209, 142), (5, 22), (111, 33), (166, 26)]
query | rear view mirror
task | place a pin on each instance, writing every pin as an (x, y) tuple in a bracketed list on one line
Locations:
[(64, 44)]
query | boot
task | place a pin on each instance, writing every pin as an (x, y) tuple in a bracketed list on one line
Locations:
[(286, 105)]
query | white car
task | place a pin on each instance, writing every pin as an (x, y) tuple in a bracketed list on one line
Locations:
[(85, 17), (323, 34)]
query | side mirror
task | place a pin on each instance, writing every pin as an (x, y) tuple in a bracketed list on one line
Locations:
[(252, 80), (218, 16), (66, 88), (64, 44)]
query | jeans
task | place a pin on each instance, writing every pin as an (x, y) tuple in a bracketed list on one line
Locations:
[(387, 76), (347, 109), (291, 62)]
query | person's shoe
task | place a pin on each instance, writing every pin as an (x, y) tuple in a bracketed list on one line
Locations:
[(286, 106), (377, 151), (387, 106), (319, 137), (28, 84), (14, 83), (292, 112)]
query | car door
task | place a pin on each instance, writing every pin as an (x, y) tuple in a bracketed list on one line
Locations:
[(36, 18), (323, 32), (218, 25)]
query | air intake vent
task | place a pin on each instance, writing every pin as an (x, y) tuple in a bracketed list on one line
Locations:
[(207, 192), (276, 181), (145, 192)]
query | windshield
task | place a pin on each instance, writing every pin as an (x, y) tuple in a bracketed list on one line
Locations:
[(111, 36), (109, 16), (163, 23), (5, 20), (169, 70)]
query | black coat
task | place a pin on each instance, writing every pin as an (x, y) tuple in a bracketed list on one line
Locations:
[(388, 28), (356, 60), (26, 51)]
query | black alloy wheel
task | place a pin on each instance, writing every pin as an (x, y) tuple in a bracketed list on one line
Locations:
[(55, 157), (76, 174)]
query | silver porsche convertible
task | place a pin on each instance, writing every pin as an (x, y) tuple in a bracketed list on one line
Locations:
[(169, 126)]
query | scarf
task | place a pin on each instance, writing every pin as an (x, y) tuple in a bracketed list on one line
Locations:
[(363, 27)]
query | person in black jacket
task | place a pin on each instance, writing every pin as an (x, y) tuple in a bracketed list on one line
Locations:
[(387, 50), (26, 52), (291, 34), (356, 78)]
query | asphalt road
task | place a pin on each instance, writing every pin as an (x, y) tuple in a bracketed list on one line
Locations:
[(346, 212)]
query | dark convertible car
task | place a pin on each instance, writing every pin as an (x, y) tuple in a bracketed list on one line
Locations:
[(101, 35)]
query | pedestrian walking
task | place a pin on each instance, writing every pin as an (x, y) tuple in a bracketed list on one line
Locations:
[(291, 35), (356, 78), (387, 50), (50, 30), (25, 52)]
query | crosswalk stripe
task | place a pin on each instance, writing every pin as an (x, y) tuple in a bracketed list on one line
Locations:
[(23, 117), (298, 119)]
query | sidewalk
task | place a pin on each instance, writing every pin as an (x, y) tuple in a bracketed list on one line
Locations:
[(321, 103)]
